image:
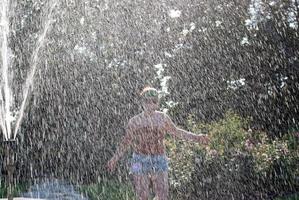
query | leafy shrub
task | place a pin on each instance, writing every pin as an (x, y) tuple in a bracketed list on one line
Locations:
[(225, 178), (266, 152), (224, 169), (237, 164), (290, 197), (276, 163), (228, 135), (181, 166), (181, 156)]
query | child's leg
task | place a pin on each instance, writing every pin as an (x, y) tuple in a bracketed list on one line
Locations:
[(141, 183), (160, 185)]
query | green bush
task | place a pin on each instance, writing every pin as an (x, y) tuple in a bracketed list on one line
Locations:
[(181, 166), (276, 163), (291, 197), (266, 152), (181, 156), (224, 169), (237, 164), (228, 135)]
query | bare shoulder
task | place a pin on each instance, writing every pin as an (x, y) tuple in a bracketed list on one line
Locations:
[(163, 115), (136, 117), (159, 113), (135, 120)]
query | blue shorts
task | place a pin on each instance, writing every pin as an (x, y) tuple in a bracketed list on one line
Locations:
[(146, 164)]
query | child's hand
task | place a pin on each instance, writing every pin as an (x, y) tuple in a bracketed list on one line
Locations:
[(111, 165)]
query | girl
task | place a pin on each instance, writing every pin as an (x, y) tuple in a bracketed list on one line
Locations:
[(145, 134)]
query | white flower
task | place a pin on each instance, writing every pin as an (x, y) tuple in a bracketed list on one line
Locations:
[(175, 13)]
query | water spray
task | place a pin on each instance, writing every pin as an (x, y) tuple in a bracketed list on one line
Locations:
[(6, 100), (34, 60), (5, 93)]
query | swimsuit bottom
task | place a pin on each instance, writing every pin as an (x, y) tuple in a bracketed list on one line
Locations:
[(146, 164)]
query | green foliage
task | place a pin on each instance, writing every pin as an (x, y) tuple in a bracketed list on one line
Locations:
[(181, 161), (292, 140), (108, 190), (228, 135), (17, 189), (236, 159), (292, 197), (181, 164), (266, 152)]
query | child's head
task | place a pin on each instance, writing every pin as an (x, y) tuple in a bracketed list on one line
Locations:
[(149, 92), (150, 99)]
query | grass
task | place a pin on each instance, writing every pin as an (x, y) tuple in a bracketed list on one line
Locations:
[(17, 189), (108, 190)]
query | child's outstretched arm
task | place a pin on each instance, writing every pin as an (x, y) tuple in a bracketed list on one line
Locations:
[(176, 132), (122, 148)]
